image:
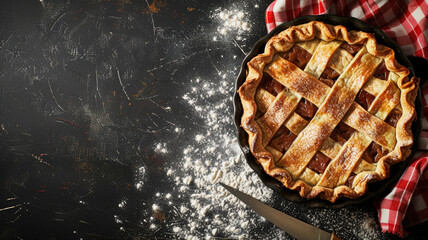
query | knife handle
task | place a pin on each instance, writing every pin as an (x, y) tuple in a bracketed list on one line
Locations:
[(335, 237)]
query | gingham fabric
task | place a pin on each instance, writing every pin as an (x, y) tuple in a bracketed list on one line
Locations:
[(406, 23), (406, 204)]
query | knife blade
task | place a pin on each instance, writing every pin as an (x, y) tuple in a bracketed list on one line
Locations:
[(293, 226)]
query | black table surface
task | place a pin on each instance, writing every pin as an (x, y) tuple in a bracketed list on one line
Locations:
[(97, 104)]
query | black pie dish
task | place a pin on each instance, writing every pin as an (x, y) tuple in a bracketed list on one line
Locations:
[(375, 189)]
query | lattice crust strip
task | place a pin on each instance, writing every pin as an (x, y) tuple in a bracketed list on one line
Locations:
[(334, 104), (321, 50), (315, 91), (295, 124), (341, 166)]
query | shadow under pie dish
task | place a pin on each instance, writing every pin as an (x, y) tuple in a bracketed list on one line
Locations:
[(327, 110)]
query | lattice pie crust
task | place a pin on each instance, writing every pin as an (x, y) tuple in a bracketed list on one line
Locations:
[(327, 110)]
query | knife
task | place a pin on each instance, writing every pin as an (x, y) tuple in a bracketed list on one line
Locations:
[(291, 225)]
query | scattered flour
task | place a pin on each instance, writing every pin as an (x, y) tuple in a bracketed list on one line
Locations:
[(139, 185), (122, 204), (161, 148), (155, 207), (232, 20), (141, 175), (211, 156), (183, 209)]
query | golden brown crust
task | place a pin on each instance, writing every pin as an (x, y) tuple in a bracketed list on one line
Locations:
[(283, 42)]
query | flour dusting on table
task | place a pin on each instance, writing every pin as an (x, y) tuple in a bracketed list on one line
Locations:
[(213, 155)]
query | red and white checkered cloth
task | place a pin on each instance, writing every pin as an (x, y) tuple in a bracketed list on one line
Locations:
[(406, 204), (406, 23)]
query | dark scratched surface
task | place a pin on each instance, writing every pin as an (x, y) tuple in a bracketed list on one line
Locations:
[(85, 88)]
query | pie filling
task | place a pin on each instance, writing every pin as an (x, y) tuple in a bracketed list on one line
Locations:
[(284, 137)]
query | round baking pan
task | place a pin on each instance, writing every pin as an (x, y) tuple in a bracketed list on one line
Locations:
[(375, 189)]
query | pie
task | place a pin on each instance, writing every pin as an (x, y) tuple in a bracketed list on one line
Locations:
[(327, 110)]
